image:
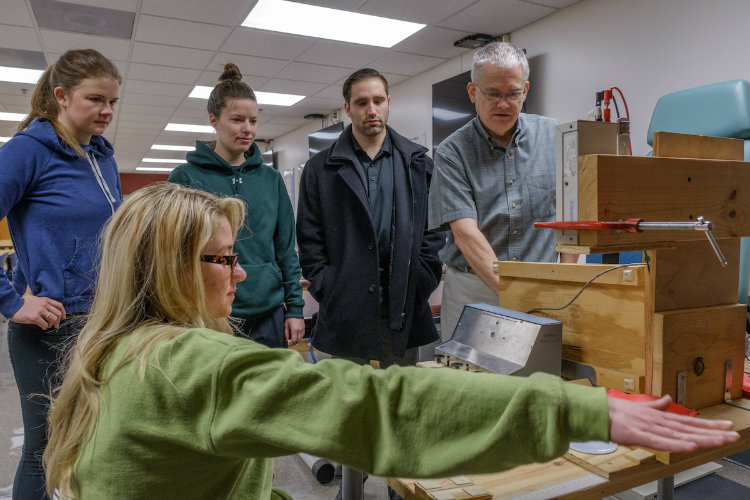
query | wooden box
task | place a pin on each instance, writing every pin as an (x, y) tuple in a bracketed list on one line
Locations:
[(612, 188), (613, 327), (669, 326)]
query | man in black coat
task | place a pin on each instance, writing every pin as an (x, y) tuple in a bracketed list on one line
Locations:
[(362, 235)]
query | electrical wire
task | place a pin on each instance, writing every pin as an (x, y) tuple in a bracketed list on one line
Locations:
[(583, 288), (624, 102), (614, 101)]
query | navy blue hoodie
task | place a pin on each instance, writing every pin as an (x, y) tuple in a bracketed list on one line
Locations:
[(56, 203)]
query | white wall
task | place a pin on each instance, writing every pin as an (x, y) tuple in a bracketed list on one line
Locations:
[(647, 48)]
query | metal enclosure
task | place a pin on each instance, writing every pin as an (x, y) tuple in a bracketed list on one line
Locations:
[(497, 340), (572, 140)]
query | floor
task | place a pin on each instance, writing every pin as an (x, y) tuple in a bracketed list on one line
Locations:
[(291, 473)]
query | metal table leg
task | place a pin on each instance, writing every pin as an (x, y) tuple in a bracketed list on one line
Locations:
[(351, 483), (665, 488)]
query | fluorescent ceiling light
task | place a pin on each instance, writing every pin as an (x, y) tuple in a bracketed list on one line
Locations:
[(19, 75), (270, 98), (332, 24), (162, 160), (154, 169), (166, 147), (448, 114), (12, 117), (4, 139), (187, 127)]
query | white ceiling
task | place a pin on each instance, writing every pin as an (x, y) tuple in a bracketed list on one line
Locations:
[(177, 44)]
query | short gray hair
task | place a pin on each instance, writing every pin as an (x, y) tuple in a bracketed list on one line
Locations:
[(501, 54)]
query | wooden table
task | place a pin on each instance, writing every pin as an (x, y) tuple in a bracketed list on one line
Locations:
[(600, 475)]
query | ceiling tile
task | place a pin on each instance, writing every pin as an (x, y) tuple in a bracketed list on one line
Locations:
[(484, 16), (18, 37), (15, 12), (157, 88), (150, 118), (433, 41), (170, 56), (211, 78), (287, 120), (416, 11), (16, 107), (351, 5), (180, 33), (313, 72), (332, 92), (21, 103), (144, 109), (184, 115), (225, 12), (164, 74), (254, 42), (557, 4), (291, 87), (60, 41), (402, 63), (126, 5), (84, 19), (145, 99), (393, 79), (249, 65), (18, 58), (341, 54)]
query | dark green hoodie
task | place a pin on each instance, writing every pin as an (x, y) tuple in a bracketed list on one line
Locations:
[(266, 240)]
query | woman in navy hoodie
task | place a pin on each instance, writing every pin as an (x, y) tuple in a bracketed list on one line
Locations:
[(58, 186)]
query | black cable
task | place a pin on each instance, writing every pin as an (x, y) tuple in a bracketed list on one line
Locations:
[(583, 288), (617, 110)]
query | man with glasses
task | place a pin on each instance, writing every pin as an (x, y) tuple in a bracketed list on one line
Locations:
[(494, 177)]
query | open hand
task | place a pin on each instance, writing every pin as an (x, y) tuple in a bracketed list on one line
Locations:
[(647, 424)]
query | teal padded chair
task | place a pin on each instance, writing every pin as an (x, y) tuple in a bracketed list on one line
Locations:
[(719, 110)]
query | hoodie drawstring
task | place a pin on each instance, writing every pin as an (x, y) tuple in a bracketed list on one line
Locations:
[(100, 179)]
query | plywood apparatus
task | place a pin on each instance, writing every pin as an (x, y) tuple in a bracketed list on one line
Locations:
[(612, 188), (668, 327), (607, 327)]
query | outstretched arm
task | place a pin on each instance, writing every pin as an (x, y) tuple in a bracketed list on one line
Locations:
[(647, 424)]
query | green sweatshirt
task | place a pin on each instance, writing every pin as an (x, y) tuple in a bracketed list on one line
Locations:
[(266, 241), (214, 409)]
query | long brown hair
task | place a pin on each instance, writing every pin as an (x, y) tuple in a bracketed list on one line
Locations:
[(67, 73), (150, 281)]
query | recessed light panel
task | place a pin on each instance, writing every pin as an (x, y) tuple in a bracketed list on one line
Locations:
[(162, 160), (331, 24), (270, 98), (12, 117), (154, 169), (187, 127), (167, 147), (20, 75)]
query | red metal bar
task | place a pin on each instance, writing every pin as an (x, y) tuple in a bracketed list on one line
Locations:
[(629, 226)]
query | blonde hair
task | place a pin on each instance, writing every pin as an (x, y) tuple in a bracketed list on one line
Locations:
[(68, 72), (150, 281)]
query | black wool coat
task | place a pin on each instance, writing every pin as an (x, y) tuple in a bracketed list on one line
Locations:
[(339, 255)]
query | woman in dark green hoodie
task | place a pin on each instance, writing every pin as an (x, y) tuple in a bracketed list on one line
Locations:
[(269, 303)]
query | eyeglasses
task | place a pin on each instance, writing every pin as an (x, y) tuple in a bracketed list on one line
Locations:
[(227, 260), (513, 95)]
